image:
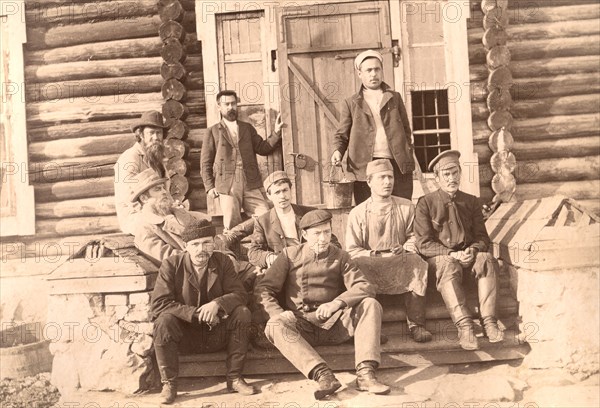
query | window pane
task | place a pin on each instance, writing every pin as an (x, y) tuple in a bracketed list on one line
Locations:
[(445, 139), (444, 122), (416, 104), (442, 102), (429, 102)]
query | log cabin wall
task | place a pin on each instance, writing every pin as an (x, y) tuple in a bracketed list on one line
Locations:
[(90, 67), (555, 63)]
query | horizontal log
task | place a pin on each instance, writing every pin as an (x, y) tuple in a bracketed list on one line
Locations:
[(119, 49), (562, 29), (77, 226), (73, 130), (103, 107), (89, 88), (61, 36), (80, 147), (86, 207), (579, 190), (93, 69), (479, 111), (44, 250), (546, 149), (543, 170), (40, 14), (72, 168), (545, 87), (195, 137), (68, 190), (562, 105)]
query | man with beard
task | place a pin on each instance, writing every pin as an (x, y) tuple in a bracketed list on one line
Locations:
[(228, 163), (374, 125), (326, 301), (382, 227), (451, 235), (146, 153), (198, 306), (160, 224)]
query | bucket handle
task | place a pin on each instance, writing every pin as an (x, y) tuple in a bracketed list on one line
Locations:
[(332, 173)]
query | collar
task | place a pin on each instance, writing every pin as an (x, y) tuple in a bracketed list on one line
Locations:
[(384, 87), (138, 149), (308, 253), (447, 198)]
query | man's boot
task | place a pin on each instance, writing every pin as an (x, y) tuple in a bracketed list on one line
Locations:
[(234, 235), (241, 386), (415, 317), (167, 359), (466, 334), (486, 290), (491, 329), (366, 380), (327, 383), (454, 298)]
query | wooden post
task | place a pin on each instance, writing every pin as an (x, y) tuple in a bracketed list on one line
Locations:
[(503, 162)]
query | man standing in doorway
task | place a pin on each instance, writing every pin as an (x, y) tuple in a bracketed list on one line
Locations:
[(374, 125), (228, 162)]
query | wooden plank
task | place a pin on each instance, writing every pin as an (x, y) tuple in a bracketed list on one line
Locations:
[(80, 147), (105, 267), (86, 207), (554, 66), (83, 129), (563, 105), (65, 190), (116, 284), (76, 226), (545, 149), (76, 168)]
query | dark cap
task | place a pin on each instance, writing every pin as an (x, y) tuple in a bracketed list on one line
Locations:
[(198, 229), (445, 160), (314, 218), (150, 118), (275, 177)]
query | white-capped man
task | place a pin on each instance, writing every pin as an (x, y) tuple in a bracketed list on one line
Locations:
[(382, 226), (325, 300), (146, 153), (452, 237)]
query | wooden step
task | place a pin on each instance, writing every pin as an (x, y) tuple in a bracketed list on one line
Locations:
[(399, 351)]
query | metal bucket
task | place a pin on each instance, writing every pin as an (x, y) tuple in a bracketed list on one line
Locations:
[(338, 194)]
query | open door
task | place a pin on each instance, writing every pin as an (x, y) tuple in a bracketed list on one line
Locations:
[(317, 45)]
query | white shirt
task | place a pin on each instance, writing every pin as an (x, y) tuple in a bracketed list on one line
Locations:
[(381, 148), (233, 129), (288, 224)]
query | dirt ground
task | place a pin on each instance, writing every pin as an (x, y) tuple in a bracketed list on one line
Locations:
[(489, 385)]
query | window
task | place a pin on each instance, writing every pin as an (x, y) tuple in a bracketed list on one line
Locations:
[(431, 124)]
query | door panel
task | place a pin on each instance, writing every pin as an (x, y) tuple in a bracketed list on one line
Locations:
[(316, 52)]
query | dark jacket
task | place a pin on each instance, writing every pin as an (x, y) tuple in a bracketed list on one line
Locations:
[(219, 156), (356, 132), (435, 232), (268, 235), (308, 281), (177, 290)]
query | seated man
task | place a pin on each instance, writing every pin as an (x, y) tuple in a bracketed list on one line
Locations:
[(327, 300), (451, 235), (278, 228), (198, 304), (382, 226), (158, 229)]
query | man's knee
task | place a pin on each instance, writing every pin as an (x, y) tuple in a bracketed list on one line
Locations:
[(486, 265), (370, 305), (277, 324), (241, 314), (167, 328), (446, 269)]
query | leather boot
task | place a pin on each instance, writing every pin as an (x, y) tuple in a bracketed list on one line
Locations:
[(167, 359), (366, 379), (415, 317), (466, 335), (327, 383), (241, 386), (487, 293), (491, 329)]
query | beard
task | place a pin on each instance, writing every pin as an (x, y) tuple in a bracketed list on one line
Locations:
[(155, 154), (231, 115), (163, 207)]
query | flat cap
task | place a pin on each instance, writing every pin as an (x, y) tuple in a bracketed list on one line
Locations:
[(143, 182), (198, 229), (379, 165), (275, 177), (149, 118), (364, 55), (445, 160), (314, 218)]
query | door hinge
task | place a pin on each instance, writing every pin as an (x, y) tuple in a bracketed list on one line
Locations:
[(273, 59)]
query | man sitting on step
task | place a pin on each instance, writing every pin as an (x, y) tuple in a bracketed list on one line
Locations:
[(382, 227), (326, 301), (198, 304), (451, 235)]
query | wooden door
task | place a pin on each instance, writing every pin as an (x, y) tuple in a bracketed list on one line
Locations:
[(317, 45)]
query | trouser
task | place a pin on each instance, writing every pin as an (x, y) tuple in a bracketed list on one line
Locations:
[(252, 201), (295, 337), (171, 335), (449, 282), (403, 185)]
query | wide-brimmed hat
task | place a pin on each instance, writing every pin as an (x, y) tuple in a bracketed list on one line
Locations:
[(150, 118), (144, 181)]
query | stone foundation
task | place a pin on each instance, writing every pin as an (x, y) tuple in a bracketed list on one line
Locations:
[(560, 318), (101, 342)]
